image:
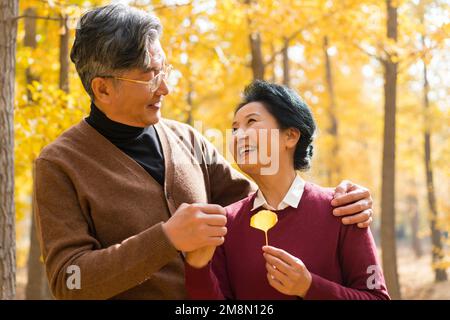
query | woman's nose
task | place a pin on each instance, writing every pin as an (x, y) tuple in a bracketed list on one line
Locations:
[(242, 138), (240, 134)]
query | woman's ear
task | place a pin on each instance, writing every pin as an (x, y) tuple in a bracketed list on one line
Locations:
[(102, 90), (292, 137)]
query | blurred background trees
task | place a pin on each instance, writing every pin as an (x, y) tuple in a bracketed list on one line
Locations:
[(374, 72)]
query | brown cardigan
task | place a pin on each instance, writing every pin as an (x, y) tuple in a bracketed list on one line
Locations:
[(100, 210)]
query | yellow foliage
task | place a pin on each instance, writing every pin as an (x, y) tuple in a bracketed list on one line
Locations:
[(208, 44)]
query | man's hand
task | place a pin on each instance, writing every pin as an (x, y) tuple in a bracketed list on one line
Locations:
[(354, 200), (286, 273), (194, 226), (200, 257)]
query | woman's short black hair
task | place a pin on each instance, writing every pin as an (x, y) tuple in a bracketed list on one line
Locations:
[(290, 111)]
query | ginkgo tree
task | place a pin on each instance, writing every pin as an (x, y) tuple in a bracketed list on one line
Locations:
[(334, 53)]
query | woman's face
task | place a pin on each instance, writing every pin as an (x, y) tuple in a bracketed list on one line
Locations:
[(258, 145)]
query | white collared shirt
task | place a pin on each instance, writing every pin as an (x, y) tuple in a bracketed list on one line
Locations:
[(292, 197)]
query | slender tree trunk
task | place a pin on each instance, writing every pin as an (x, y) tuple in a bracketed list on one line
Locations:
[(440, 274), (189, 100), (257, 60), (388, 241), (273, 77), (257, 63), (286, 69), (334, 169), (8, 33), (64, 54), (37, 288), (37, 284), (30, 41), (413, 215)]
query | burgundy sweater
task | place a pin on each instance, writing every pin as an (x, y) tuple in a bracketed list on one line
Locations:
[(341, 259)]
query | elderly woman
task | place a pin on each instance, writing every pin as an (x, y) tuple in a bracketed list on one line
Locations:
[(312, 255)]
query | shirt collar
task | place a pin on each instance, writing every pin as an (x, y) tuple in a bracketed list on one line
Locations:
[(291, 199)]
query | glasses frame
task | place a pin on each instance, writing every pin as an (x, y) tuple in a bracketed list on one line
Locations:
[(153, 83)]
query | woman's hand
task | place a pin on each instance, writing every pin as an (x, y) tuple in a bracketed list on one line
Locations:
[(286, 273), (200, 257)]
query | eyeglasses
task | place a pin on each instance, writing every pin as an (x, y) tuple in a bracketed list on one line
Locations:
[(152, 84)]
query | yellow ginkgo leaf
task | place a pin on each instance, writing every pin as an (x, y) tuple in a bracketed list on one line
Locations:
[(264, 220)]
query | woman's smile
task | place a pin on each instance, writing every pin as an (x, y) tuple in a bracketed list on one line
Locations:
[(246, 150)]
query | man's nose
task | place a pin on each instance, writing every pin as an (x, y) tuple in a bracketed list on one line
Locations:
[(163, 89)]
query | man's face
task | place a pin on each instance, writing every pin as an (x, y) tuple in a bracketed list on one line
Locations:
[(133, 103)]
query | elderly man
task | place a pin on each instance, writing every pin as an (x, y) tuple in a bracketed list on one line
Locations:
[(121, 195)]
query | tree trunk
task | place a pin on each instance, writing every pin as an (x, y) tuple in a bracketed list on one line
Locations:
[(273, 77), (440, 274), (37, 288), (37, 285), (334, 169), (257, 60), (257, 56), (388, 241), (30, 41), (8, 34), (189, 100), (413, 215), (64, 54), (286, 69)]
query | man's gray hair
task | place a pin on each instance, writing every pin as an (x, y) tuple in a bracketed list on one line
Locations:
[(112, 39)]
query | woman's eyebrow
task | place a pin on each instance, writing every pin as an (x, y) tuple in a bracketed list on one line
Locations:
[(247, 116), (252, 114)]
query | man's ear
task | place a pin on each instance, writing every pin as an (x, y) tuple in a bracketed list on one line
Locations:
[(292, 137), (102, 89)]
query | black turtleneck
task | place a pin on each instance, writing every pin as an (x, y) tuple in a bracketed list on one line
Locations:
[(141, 144)]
